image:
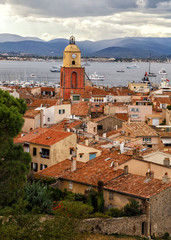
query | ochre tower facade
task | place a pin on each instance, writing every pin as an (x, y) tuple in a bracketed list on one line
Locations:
[(72, 74)]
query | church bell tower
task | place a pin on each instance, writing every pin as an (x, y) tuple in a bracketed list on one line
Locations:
[(72, 74)]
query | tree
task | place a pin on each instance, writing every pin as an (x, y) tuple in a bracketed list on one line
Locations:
[(14, 162)]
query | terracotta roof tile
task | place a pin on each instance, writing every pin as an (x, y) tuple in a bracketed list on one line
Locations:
[(59, 169), (31, 113), (137, 185), (80, 109), (122, 116), (44, 136), (141, 129), (98, 169), (43, 102)]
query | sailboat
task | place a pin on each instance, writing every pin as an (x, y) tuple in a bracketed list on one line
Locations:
[(150, 74)]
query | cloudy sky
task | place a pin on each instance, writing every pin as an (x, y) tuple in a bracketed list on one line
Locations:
[(86, 19)]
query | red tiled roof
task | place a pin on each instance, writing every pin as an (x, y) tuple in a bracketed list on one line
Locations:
[(80, 109), (141, 129), (67, 123), (98, 169), (44, 136), (122, 116), (43, 102), (31, 113), (137, 185), (59, 169)]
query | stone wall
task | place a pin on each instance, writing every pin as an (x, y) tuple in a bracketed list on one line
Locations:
[(160, 213), (123, 225)]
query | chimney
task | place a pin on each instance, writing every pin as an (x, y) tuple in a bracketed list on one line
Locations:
[(149, 174), (165, 178), (125, 169), (166, 162), (41, 118), (121, 147), (86, 142), (115, 166), (73, 164), (135, 153)]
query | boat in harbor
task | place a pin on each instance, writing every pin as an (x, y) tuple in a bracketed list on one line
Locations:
[(120, 71), (55, 69), (150, 74), (162, 71), (145, 79), (165, 84), (95, 77), (133, 66)]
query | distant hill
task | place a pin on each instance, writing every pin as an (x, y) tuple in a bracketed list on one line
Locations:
[(6, 37), (130, 47)]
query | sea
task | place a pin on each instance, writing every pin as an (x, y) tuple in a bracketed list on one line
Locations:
[(39, 71)]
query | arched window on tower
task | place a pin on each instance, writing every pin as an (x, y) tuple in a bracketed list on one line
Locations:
[(73, 80), (73, 62)]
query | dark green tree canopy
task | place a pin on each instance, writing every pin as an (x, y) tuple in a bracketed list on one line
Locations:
[(11, 111), (14, 162)]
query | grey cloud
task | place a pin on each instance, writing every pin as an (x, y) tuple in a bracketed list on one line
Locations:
[(81, 8)]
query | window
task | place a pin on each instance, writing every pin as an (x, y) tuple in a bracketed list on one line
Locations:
[(92, 155), (71, 151), (61, 111), (99, 127), (134, 115), (73, 62), (110, 195), (43, 166), (81, 155), (34, 151), (76, 98), (70, 185), (45, 153), (48, 119), (34, 166), (146, 139)]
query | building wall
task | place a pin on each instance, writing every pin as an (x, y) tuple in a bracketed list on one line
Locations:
[(123, 225), (58, 151), (31, 123), (108, 124), (84, 151), (157, 157), (109, 110), (141, 167), (65, 81), (36, 91), (92, 127), (160, 205), (59, 117), (138, 113)]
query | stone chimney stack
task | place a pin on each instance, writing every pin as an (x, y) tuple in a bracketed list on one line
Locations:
[(165, 178), (135, 153), (86, 142), (149, 174), (166, 162), (126, 170), (115, 166), (73, 164)]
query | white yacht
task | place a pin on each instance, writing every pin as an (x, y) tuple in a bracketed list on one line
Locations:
[(162, 71), (94, 76), (133, 66)]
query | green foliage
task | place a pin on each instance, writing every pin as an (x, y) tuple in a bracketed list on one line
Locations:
[(14, 162), (76, 210), (11, 111), (38, 198), (133, 208), (169, 107), (92, 197), (166, 236), (100, 202), (115, 212), (14, 166)]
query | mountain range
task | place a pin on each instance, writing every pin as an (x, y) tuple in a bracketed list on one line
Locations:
[(129, 47)]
